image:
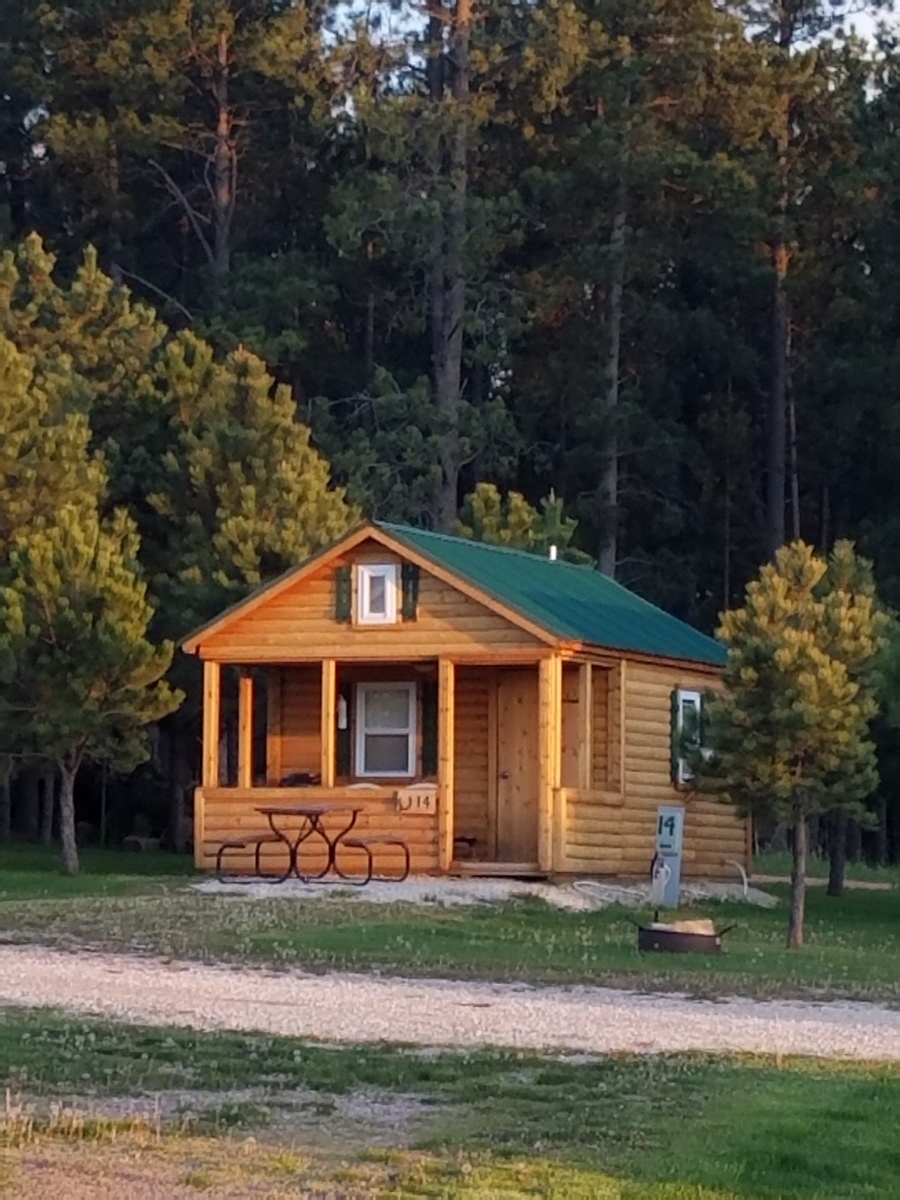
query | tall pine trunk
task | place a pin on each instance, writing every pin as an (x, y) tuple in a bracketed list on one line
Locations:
[(798, 884), (67, 775), (609, 484), (224, 171), (837, 853), (777, 416), (795, 468), (114, 230), (448, 284)]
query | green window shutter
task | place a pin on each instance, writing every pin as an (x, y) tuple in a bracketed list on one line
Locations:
[(343, 742), (675, 740), (409, 575), (343, 594), (430, 728)]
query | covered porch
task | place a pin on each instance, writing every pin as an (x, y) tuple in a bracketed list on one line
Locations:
[(481, 767)]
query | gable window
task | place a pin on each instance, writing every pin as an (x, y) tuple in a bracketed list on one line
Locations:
[(376, 593), (386, 729), (687, 732)]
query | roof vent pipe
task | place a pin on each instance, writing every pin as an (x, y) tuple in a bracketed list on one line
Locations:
[(553, 554)]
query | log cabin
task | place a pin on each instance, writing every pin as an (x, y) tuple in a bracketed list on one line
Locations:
[(500, 711)]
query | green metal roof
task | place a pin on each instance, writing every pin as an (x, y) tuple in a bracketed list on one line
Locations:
[(570, 601)]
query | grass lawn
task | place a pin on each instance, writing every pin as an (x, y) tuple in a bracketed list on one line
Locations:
[(35, 873), (779, 863), (853, 945), (482, 1124)]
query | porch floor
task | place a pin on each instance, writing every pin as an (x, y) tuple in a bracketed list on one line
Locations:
[(471, 869)]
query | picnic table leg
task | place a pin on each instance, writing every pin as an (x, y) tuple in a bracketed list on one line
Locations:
[(291, 849), (337, 841), (315, 826)]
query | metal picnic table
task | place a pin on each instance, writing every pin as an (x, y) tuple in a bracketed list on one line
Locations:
[(311, 818)]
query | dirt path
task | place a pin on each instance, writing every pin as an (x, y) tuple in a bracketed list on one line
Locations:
[(357, 1008)]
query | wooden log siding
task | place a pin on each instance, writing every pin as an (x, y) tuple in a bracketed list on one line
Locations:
[(231, 813), (300, 624), (593, 822), (472, 783), (600, 754), (301, 719), (713, 832), (610, 829)]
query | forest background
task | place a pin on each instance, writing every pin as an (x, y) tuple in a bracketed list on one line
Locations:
[(270, 265)]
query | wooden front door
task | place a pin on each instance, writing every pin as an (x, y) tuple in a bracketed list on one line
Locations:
[(517, 766)]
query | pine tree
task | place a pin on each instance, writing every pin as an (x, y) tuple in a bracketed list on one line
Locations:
[(44, 449), (90, 333), (852, 587), (244, 493), (80, 678), (489, 516), (159, 123), (430, 216), (789, 737)]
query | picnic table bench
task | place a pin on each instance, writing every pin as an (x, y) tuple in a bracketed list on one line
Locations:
[(311, 818)]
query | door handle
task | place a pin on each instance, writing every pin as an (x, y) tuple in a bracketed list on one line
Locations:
[(504, 775)]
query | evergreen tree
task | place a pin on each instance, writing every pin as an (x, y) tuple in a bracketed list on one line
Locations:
[(789, 736), (433, 217), (159, 124), (852, 584), (80, 679), (44, 449), (244, 493), (488, 516)]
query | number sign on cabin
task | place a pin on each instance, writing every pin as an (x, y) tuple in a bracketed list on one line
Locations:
[(417, 800)]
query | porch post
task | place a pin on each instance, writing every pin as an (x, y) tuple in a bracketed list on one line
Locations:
[(446, 760), (585, 726), (212, 675), (328, 721), (616, 719), (245, 729), (549, 746)]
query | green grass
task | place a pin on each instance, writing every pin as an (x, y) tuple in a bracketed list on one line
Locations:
[(517, 1124), (771, 862), (35, 873), (127, 902), (853, 944)]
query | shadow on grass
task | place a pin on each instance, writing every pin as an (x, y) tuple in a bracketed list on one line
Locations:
[(35, 872), (514, 1124)]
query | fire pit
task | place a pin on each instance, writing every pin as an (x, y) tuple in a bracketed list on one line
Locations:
[(682, 937)]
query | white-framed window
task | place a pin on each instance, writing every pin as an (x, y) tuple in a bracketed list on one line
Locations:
[(686, 731), (386, 729), (376, 593)]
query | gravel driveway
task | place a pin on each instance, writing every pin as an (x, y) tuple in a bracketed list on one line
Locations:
[(357, 1008)]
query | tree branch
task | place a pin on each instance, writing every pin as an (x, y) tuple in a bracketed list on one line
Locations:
[(186, 205), (158, 291)]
